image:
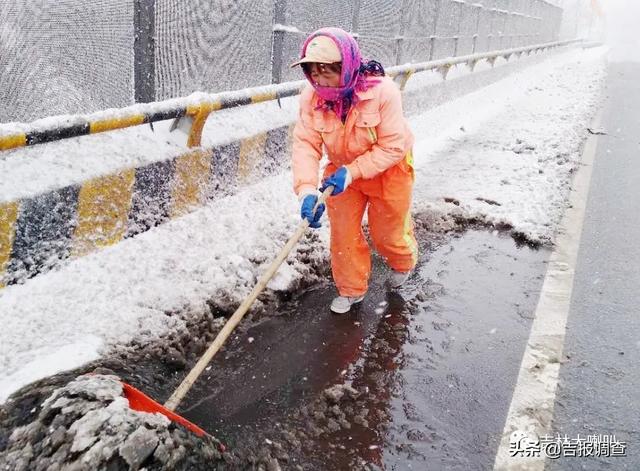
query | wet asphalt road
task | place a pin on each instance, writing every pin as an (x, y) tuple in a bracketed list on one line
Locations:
[(450, 377), (463, 354), (599, 391)]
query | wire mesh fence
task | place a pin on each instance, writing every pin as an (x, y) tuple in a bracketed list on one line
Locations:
[(75, 56), (64, 56)]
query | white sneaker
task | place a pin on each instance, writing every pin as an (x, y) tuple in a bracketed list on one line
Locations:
[(397, 278), (342, 304)]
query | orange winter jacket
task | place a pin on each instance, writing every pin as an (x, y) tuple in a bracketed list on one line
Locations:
[(374, 137)]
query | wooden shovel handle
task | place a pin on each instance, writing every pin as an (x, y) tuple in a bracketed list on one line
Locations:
[(174, 401)]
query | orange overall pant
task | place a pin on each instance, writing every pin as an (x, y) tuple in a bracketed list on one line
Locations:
[(387, 199)]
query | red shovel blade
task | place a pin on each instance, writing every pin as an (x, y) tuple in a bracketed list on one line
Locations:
[(143, 403)]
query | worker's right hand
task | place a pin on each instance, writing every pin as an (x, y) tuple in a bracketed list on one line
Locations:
[(306, 210)]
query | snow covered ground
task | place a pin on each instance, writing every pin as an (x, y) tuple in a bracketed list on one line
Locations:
[(514, 143)]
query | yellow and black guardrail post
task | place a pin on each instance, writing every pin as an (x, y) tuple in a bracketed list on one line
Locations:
[(8, 217), (192, 170)]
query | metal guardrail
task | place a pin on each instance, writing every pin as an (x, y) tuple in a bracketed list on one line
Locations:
[(444, 65), (37, 232), (199, 106)]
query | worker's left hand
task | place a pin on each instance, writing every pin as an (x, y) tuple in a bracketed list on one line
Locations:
[(340, 180)]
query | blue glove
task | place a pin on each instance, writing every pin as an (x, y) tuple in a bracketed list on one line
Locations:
[(339, 180), (306, 211)]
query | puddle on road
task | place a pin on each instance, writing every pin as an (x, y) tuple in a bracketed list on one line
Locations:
[(434, 365)]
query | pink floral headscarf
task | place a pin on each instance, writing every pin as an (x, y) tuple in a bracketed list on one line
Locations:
[(355, 76)]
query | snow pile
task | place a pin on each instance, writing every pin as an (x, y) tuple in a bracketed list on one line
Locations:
[(125, 292), (506, 154), (503, 154), (88, 425)]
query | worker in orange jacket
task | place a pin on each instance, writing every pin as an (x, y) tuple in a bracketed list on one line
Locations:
[(353, 111)]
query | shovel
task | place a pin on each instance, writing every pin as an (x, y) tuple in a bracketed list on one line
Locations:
[(140, 402)]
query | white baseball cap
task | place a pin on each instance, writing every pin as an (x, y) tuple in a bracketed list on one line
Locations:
[(320, 49)]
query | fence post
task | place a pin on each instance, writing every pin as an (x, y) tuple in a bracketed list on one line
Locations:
[(478, 8), (401, 30), (435, 29), (508, 28), (144, 64), (577, 7), (277, 41), (492, 13), (537, 26), (504, 28), (354, 18), (456, 40)]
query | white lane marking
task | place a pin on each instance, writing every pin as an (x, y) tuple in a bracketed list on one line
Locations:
[(531, 409)]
